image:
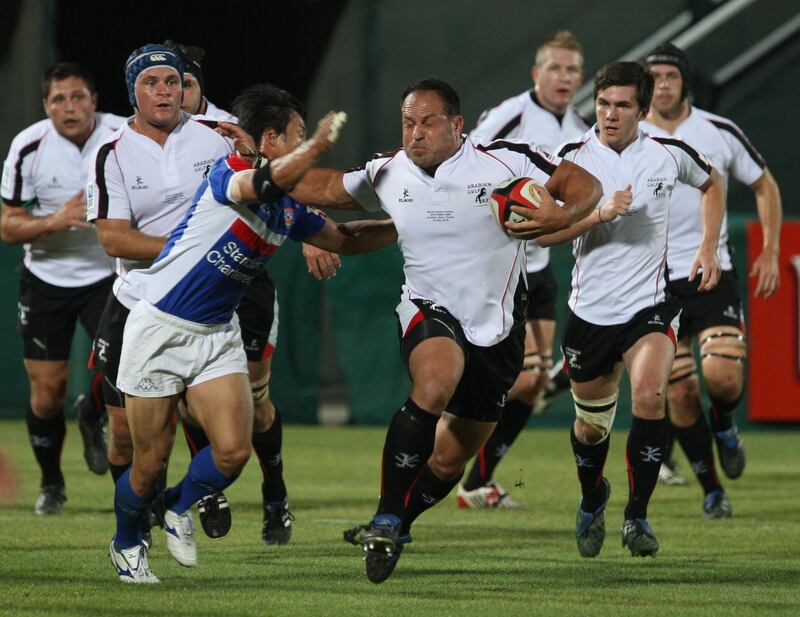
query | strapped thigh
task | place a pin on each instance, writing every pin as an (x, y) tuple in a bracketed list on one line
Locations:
[(684, 365), (729, 345)]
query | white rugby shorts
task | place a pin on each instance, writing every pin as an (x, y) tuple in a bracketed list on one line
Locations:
[(163, 355)]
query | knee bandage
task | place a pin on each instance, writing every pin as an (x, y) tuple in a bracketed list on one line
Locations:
[(260, 388), (683, 367), (532, 362), (728, 345), (598, 413)]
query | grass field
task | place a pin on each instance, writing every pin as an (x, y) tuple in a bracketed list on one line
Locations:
[(521, 562)]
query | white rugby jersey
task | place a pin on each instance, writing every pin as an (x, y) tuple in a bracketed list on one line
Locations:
[(454, 253), (42, 171), (731, 153), (219, 246), (133, 178), (522, 118), (212, 111), (620, 266)]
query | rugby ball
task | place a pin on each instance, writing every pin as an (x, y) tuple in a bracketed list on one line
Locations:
[(523, 192)]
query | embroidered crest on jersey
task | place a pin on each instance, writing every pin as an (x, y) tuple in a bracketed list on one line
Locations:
[(288, 217), (54, 183), (204, 166), (481, 191), (658, 186), (140, 185), (406, 197)]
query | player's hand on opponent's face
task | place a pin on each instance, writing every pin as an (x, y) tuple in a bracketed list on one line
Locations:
[(767, 270), (321, 264), (549, 217), (707, 261), (243, 143), (72, 213), (328, 130), (618, 205)]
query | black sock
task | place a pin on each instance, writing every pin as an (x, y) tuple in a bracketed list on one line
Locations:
[(515, 417), (195, 436), (696, 443), (92, 406), (721, 413), (408, 445), (670, 443), (117, 471), (267, 446), (428, 490), (590, 460), (644, 453), (47, 439)]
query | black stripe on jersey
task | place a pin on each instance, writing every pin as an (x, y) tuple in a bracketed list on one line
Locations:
[(16, 200), (679, 143), (567, 148), (100, 178), (510, 126), (378, 155), (212, 124), (534, 157), (754, 154)]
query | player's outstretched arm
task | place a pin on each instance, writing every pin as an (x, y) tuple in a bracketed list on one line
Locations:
[(575, 187), (321, 264), (324, 188), (281, 175), (119, 239), (770, 213), (354, 236), (712, 210)]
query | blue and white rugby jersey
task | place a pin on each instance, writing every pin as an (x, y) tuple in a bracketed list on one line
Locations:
[(213, 254)]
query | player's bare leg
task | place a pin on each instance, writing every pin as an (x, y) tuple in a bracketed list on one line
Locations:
[(723, 351)]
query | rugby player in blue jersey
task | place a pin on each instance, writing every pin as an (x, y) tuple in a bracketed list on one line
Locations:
[(182, 337)]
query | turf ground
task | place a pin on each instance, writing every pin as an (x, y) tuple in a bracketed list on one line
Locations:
[(510, 562)]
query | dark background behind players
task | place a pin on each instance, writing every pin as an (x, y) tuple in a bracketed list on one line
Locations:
[(356, 55)]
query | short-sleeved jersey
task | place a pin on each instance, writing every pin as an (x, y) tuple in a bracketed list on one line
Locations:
[(212, 111), (731, 154), (133, 178), (620, 266), (522, 118), (42, 171), (219, 246), (454, 252)]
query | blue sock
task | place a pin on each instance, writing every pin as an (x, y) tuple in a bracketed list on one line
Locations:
[(203, 479), (130, 510)]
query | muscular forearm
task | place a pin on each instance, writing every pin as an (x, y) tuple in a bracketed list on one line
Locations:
[(356, 236), (324, 188), (770, 212), (130, 244), (571, 232), (21, 228), (712, 210), (577, 189)]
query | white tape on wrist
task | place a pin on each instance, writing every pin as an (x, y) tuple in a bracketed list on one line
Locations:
[(339, 119)]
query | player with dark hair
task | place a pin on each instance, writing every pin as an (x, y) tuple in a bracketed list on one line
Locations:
[(714, 319), (620, 316), (182, 338), (258, 314), (461, 310), (544, 116), (65, 275)]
